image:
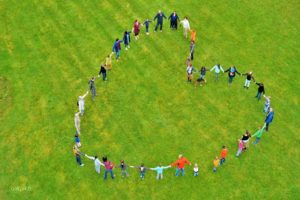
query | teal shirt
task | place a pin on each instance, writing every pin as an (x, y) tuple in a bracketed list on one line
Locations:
[(159, 170), (259, 133)]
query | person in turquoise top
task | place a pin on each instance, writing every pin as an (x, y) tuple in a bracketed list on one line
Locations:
[(159, 169), (258, 134)]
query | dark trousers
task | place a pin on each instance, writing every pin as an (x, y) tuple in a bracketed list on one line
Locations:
[(78, 159), (104, 76), (108, 171), (173, 24), (147, 29), (267, 126), (192, 56), (158, 24)]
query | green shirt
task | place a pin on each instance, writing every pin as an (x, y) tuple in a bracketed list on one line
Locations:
[(259, 133)]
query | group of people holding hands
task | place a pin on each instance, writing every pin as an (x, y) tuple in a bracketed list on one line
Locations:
[(243, 142)]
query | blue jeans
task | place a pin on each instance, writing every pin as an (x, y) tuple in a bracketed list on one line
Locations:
[(178, 171), (93, 91), (214, 169), (196, 173), (256, 141), (230, 79), (222, 161), (142, 175), (147, 29), (117, 54), (258, 95), (111, 173), (78, 159), (104, 76)]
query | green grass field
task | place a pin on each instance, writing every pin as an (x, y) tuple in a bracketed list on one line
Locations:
[(147, 112)]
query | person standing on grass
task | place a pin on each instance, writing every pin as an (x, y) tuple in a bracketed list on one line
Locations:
[(108, 62), (267, 103), (77, 122), (92, 87), (136, 29), (174, 18), (249, 77), (160, 19), (245, 139), (77, 140), (203, 71), (146, 23), (97, 162), (142, 170), (80, 103), (126, 39), (217, 68), (260, 90), (179, 164), (196, 170), (108, 168), (103, 72), (189, 70), (240, 148), (192, 50), (186, 26), (159, 170), (77, 155), (269, 118), (258, 134), (117, 48), (223, 154), (216, 163), (123, 167), (193, 36), (231, 74)]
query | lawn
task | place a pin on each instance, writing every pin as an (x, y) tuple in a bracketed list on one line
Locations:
[(146, 111)]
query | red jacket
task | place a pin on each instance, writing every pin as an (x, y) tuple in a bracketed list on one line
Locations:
[(181, 162)]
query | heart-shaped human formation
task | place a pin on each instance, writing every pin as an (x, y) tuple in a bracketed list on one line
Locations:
[(217, 69)]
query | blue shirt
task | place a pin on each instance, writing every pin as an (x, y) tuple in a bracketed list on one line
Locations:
[(159, 170), (269, 117)]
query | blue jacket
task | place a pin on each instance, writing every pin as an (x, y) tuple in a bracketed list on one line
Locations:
[(126, 37), (269, 117), (116, 46), (160, 17)]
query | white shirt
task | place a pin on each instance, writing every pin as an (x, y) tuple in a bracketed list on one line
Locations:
[(185, 24), (217, 70), (97, 162), (195, 169), (189, 69)]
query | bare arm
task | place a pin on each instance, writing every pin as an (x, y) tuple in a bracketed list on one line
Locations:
[(85, 94)]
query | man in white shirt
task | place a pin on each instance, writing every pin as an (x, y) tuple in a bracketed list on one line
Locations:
[(77, 122), (186, 26), (97, 162), (81, 103)]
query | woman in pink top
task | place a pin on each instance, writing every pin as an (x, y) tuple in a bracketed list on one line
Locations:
[(240, 149), (136, 29)]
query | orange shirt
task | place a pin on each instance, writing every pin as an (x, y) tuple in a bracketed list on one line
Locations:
[(193, 36), (181, 162), (224, 153)]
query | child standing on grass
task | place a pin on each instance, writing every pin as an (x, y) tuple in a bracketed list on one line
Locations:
[(240, 148), (217, 68), (269, 118), (189, 70), (216, 163), (192, 50), (258, 134), (186, 26), (123, 167), (77, 140), (249, 77), (80, 103), (142, 170), (180, 164), (267, 103), (245, 139), (77, 155), (146, 23), (97, 162), (231, 74), (136, 29), (117, 48), (108, 62), (77, 122), (223, 155), (92, 87), (159, 169), (103, 72), (126, 39), (260, 90), (196, 170)]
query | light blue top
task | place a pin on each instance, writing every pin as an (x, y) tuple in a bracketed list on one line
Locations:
[(159, 170), (217, 69)]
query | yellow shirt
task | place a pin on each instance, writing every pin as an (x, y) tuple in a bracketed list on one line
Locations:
[(216, 162)]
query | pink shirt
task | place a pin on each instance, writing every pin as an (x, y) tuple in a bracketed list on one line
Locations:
[(241, 145)]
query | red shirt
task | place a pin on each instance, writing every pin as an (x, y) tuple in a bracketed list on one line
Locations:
[(224, 153), (181, 162)]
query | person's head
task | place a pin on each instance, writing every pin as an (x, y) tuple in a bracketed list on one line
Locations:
[(250, 72), (180, 156), (96, 156), (217, 158), (218, 65), (159, 11), (122, 161), (262, 84), (125, 32), (76, 134), (117, 39), (196, 165), (104, 158), (185, 17), (247, 132), (93, 78), (135, 21), (224, 147), (142, 164), (174, 12), (77, 114), (271, 109), (160, 165)]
